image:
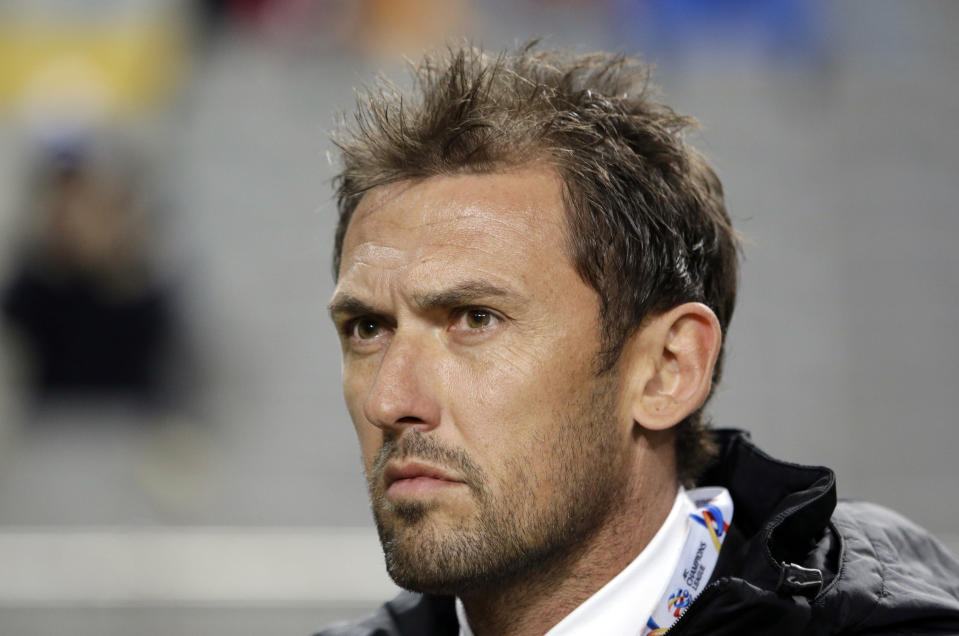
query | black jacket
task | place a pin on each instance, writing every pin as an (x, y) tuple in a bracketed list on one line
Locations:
[(795, 562)]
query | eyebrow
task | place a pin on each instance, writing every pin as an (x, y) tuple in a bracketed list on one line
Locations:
[(346, 305), (460, 294)]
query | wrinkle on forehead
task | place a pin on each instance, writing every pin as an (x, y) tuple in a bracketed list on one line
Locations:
[(423, 265), (480, 221), (409, 194), (372, 253), (478, 217)]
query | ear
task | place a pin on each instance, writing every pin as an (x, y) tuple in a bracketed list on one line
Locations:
[(669, 365)]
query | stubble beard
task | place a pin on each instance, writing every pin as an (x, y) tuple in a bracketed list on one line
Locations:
[(516, 533)]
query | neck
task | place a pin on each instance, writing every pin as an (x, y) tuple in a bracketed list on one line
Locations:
[(534, 601)]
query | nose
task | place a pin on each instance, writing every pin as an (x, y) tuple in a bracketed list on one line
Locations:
[(403, 392)]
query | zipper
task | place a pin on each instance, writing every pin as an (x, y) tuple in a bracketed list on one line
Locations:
[(710, 591)]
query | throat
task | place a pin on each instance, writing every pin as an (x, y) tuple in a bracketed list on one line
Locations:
[(528, 606)]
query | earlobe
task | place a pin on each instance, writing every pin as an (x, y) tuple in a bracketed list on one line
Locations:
[(669, 365)]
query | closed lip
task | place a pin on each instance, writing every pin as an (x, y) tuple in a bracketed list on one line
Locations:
[(411, 470)]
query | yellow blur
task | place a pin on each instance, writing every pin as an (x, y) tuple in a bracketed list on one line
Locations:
[(113, 66)]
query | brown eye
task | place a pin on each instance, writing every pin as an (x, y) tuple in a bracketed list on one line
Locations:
[(366, 328), (478, 318)]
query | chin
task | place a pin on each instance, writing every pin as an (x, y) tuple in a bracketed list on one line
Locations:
[(423, 558)]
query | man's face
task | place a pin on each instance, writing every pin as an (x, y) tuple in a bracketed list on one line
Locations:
[(469, 353)]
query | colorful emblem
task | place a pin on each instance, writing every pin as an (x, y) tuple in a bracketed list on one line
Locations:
[(678, 601), (711, 518), (655, 630)]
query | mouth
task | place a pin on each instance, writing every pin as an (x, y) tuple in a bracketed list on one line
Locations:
[(414, 479)]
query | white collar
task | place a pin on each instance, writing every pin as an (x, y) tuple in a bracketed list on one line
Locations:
[(623, 605)]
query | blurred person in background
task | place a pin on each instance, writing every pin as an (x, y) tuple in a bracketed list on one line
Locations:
[(97, 326), (535, 274), (91, 315)]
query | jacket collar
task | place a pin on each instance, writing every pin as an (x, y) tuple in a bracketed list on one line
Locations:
[(782, 513)]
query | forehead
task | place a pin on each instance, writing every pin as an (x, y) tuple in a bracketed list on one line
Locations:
[(493, 222)]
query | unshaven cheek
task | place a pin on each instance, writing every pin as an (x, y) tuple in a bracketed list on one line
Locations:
[(505, 398)]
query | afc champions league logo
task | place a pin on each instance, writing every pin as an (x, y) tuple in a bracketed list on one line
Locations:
[(708, 524), (678, 601)]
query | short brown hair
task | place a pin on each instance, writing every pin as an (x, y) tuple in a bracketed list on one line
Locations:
[(647, 225)]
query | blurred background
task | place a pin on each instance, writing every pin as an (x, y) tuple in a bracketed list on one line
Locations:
[(175, 456)]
